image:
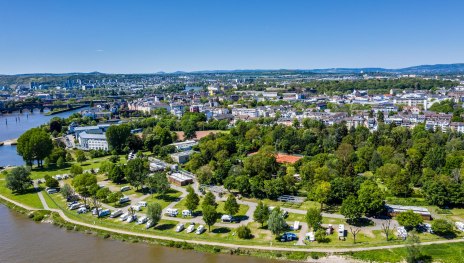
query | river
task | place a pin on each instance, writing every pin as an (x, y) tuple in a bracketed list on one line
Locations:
[(14, 124), (23, 240)]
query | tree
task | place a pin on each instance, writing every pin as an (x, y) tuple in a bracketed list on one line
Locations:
[(321, 236), (231, 206), (191, 200), (243, 232), (34, 144), (80, 156), (116, 174), (314, 218), (386, 228), (18, 179), (136, 172), (114, 197), (76, 170), (114, 158), (66, 191), (409, 219), (117, 136), (46, 162), (209, 215), (102, 194), (276, 222), (85, 185), (154, 212), (321, 192), (60, 163), (354, 231), (371, 198), (51, 182), (158, 183), (351, 209), (261, 213), (209, 200), (442, 227)]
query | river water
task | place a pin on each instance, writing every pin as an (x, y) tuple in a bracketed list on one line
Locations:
[(14, 124), (23, 240)]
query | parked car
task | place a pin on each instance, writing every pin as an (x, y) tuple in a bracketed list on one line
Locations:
[(190, 228), (180, 227), (200, 230), (229, 218), (116, 213), (288, 237)]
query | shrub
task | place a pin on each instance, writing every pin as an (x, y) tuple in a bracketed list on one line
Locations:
[(244, 232), (442, 227)]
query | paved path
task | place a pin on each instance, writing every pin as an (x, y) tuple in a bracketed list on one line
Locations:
[(41, 197)]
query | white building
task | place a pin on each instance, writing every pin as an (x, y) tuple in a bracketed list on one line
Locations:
[(90, 141)]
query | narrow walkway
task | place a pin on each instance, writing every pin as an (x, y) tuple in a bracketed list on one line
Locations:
[(41, 197)]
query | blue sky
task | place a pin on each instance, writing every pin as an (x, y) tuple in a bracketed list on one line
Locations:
[(150, 36)]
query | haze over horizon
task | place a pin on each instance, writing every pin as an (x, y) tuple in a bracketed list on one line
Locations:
[(120, 37)]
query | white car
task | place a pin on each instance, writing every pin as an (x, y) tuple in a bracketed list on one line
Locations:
[(180, 227), (142, 220), (82, 210)]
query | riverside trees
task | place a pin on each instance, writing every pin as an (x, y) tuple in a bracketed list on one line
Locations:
[(34, 144)]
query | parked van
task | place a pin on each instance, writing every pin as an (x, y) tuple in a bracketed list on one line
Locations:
[(124, 216), (116, 213), (75, 206), (131, 219), (227, 218), (124, 199), (341, 231), (142, 204), (200, 230), (142, 220), (149, 224), (52, 191), (310, 237), (103, 213), (125, 188), (136, 207), (190, 228), (296, 225), (180, 227), (172, 212)]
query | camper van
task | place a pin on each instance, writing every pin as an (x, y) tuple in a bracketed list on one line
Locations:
[(125, 188), (124, 199), (142, 204), (131, 218), (149, 224), (52, 191), (142, 220), (75, 206), (341, 231), (82, 210), (190, 228), (136, 207), (296, 225), (124, 216), (311, 237), (172, 212), (116, 213), (459, 226), (103, 213), (200, 230), (180, 227), (186, 213)]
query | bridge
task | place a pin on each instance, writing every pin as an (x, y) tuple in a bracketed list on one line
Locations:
[(32, 106)]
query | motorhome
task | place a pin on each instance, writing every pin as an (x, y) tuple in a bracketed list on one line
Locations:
[(142, 220), (75, 206), (200, 230), (311, 237), (136, 207), (149, 224), (103, 213), (459, 226), (124, 216), (341, 231), (125, 188), (180, 227), (131, 218), (296, 225), (173, 212), (52, 191), (82, 210), (116, 213), (124, 199), (190, 228), (142, 204), (186, 213)]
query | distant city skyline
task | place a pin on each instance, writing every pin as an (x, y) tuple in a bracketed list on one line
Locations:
[(152, 36)]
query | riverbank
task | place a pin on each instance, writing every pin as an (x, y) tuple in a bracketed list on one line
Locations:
[(9, 142), (59, 218)]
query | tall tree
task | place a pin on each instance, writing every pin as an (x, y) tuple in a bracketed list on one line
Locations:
[(158, 183), (351, 209), (209, 200), (321, 192), (136, 172), (154, 212), (191, 200), (209, 215), (18, 179), (34, 144), (117, 136), (86, 185), (314, 218), (231, 206), (261, 213), (276, 222), (371, 198)]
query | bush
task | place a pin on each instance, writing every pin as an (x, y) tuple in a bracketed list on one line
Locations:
[(321, 236), (409, 219), (244, 232), (442, 227)]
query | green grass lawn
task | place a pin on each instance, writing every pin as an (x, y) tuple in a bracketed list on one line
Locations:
[(450, 253), (164, 200), (243, 209), (30, 198), (325, 220), (48, 199)]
